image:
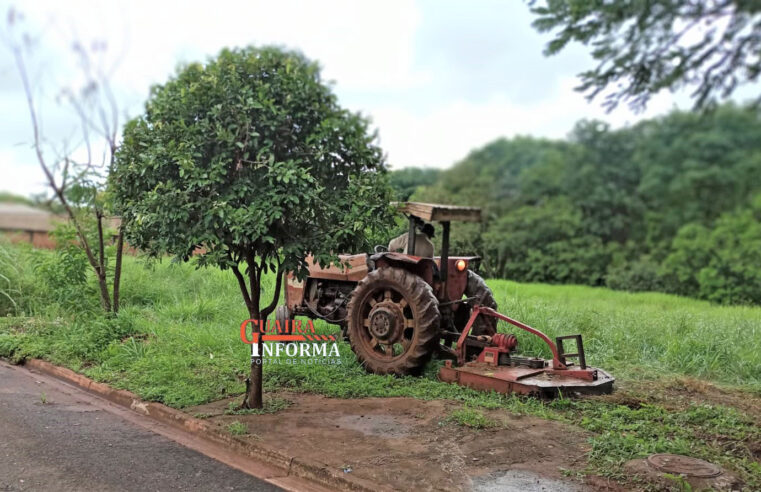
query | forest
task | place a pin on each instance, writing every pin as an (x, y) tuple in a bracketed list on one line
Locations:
[(671, 204)]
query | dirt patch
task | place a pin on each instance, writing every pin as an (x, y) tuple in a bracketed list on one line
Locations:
[(375, 425), (681, 392), (405, 443)]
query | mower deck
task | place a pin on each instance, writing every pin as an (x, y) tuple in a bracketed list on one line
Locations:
[(545, 382), (497, 368)]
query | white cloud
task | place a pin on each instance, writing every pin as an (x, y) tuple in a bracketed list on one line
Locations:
[(449, 132), (361, 45), (378, 53), (20, 175)]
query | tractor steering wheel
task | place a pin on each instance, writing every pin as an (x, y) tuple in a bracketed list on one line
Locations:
[(379, 248)]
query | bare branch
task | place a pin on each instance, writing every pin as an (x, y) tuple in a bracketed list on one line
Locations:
[(70, 170)]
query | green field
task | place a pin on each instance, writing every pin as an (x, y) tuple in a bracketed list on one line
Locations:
[(177, 341)]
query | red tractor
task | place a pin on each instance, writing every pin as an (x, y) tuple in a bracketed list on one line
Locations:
[(399, 309)]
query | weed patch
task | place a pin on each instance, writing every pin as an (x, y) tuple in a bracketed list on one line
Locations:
[(237, 428), (271, 405), (619, 433)]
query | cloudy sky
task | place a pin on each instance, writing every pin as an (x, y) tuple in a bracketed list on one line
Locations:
[(437, 77)]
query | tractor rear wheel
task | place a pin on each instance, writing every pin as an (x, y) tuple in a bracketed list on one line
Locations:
[(476, 287), (393, 322)]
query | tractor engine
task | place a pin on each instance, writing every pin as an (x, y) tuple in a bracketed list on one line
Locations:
[(327, 299)]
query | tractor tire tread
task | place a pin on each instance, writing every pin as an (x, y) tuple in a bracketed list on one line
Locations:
[(425, 308)]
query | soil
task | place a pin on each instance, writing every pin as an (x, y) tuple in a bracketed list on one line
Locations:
[(679, 393), (407, 444)]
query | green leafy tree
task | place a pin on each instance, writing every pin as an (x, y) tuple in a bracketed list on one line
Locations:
[(249, 164), (406, 181), (694, 167), (601, 179), (499, 177), (721, 264), (642, 47), (608, 203), (545, 243), (642, 274), (8, 197)]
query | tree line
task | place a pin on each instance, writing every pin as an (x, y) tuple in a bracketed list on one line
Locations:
[(672, 204)]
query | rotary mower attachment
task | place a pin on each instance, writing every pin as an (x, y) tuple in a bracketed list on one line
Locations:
[(496, 368)]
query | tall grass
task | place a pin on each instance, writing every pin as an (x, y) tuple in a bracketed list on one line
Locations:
[(21, 293), (641, 334), (177, 337), (8, 280)]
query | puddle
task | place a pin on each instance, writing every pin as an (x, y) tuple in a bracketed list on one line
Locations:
[(519, 481)]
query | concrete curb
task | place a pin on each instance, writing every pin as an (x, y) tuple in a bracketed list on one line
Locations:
[(291, 465)]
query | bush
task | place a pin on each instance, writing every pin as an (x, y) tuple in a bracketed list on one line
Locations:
[(545, 243), (21, 292), (64, 275), (641, 275), (722, 264), (9, 288)]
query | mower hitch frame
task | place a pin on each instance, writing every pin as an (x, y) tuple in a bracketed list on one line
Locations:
[(494, 369)]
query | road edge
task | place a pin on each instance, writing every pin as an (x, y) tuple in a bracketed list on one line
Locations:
[(291, 465)]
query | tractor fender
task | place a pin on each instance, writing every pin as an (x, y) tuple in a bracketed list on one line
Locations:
[(457, 280), (426, 268)]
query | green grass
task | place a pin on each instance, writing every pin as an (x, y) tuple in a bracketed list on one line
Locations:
[(643, 334), (177, 341), (619, 433), (237, 428), (271, 405)]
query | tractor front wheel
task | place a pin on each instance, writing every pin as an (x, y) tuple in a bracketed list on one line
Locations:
[(393, 322)]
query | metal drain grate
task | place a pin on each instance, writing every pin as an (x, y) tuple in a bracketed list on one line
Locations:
[(683, 465)]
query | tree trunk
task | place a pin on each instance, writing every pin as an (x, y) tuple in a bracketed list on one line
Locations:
[(254, 391), (253, 396), (105, 300), (252, 297), (101, 243), (105, 297), (118, 269)]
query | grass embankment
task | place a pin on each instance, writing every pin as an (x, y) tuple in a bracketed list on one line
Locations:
[(176, 341)]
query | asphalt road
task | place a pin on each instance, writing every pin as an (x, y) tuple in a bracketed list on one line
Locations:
[(55, 437)]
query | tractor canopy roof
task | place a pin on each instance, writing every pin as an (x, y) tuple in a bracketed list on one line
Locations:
[(439, 213)]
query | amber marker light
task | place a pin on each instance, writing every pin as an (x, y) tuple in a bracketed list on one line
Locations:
[(461, 265)]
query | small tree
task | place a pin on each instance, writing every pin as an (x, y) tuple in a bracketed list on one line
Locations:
[(249, 164), (75, 173)]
